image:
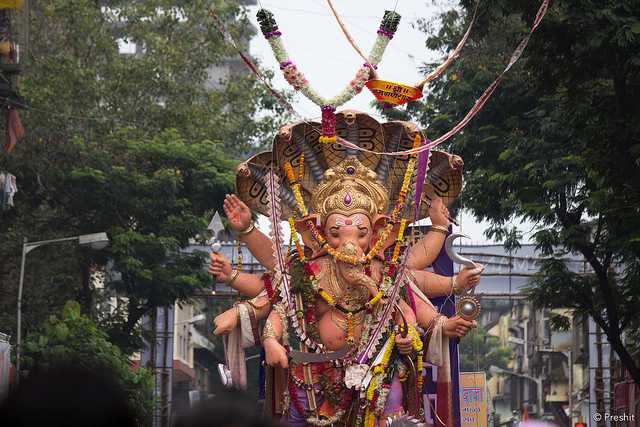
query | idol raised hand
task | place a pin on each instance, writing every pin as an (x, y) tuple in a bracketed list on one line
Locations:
[(237, 212)]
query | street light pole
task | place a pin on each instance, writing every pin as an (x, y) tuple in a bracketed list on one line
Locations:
[(19, 320), (95, 241), (569, 355)]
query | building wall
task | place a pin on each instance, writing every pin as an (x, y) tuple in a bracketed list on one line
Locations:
[(537, 350), (182, 348)]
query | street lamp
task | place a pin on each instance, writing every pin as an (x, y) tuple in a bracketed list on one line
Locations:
[(96, 241), (496, 370)]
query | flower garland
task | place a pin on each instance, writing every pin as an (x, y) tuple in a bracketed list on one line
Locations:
[(295, 187), (378, 389), (268, 286), (294, 396), (301, 166), (417, 347), (296, 239), (269, 29), (379, 372), (304, 280), (299, 82)]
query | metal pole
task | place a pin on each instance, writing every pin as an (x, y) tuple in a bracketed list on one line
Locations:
[(538, 382), (570, 363), (19, 320)]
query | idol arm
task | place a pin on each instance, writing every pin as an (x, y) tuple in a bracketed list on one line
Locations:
[(425, 251), (276, 323), (262, 307), (433, 285), (260, 247), (425, 313), (407, 314), (248, 284)]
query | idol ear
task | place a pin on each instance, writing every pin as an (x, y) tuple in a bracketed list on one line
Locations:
[(379, 223), (307, 238)]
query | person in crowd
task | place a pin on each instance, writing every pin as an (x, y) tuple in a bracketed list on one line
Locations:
[(228, 408), (67, 396)]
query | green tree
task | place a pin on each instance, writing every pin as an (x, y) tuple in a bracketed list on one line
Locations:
[(74, 338), (136, 145), (87, 87), (479, 350), (152, 201), (557, 145)]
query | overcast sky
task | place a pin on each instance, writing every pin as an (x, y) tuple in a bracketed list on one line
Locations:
[(317, 46)]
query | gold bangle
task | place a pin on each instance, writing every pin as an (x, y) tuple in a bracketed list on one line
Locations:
[(234, 277), (440, 229), (253, 302), (457, 290), (247, 230), (268, 331)]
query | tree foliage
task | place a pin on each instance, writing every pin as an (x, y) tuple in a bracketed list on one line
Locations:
[(478, 351), (73, 338), (558, 145), (152, 201), (138, 145), (77, 72)]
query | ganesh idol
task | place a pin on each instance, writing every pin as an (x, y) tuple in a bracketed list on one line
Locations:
[(348, 324)]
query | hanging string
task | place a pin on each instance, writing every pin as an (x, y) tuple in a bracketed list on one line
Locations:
[(348, 36), (435, 73), (470, 114), (453, 55)]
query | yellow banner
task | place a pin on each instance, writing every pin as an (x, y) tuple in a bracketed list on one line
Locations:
[(11, 4), (393, 93), (473, 399)]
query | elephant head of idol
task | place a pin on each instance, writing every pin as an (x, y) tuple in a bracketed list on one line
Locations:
[(349, 205)]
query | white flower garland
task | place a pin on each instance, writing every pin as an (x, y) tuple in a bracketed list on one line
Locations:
[(350, 90), (297, 80)]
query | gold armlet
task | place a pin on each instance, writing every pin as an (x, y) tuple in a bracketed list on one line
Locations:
[(440, 229), (253, 302), (234, 277), (280, 311)]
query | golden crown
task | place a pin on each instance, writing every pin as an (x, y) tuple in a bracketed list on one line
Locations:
[(349, 188)]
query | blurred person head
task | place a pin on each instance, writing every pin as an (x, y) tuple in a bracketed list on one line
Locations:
[(65, 395), (536, 423), (229, 408)]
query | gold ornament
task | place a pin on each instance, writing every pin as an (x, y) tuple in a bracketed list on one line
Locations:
[(350, 188), (468, 307)]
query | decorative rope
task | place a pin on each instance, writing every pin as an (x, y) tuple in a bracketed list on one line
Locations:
[(470, 114)]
